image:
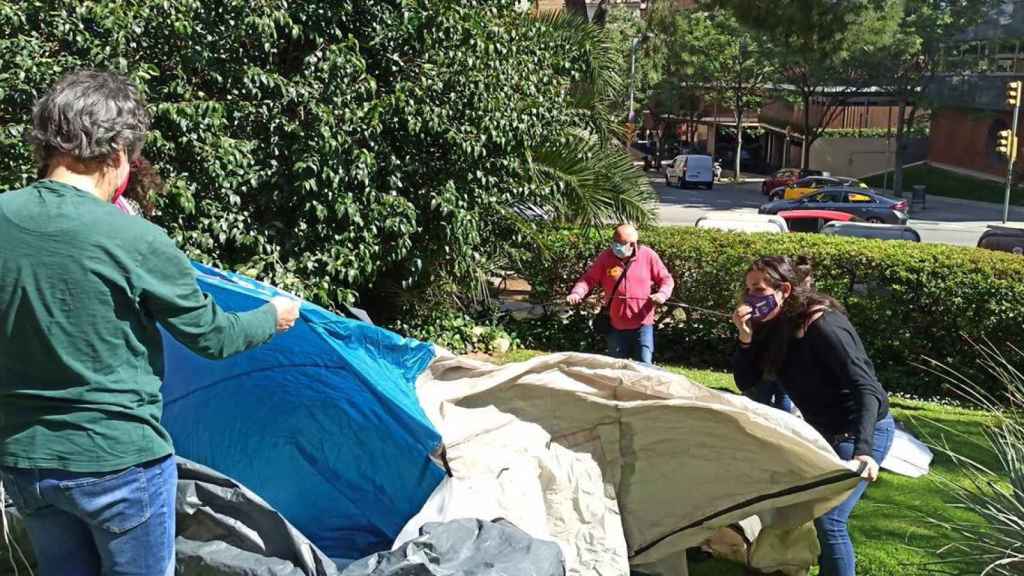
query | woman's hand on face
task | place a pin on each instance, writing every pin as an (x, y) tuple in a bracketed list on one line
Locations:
[(741, 318)]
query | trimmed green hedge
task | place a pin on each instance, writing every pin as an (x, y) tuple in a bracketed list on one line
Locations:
[(921, 130), (908, 301)]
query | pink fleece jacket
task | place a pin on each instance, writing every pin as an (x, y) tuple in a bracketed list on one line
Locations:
[(632, 306)]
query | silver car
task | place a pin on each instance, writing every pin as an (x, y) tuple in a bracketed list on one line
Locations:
[(866, 204)]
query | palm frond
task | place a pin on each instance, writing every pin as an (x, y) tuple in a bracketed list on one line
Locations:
[(594, 185), (598, 84)]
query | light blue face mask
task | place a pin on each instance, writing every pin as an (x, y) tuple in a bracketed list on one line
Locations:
[(622, 250)]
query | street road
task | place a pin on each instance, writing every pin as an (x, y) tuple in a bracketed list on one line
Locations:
[(943, 221)]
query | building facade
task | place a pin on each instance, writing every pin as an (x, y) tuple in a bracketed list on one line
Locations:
[(970, 108), (773, 135)]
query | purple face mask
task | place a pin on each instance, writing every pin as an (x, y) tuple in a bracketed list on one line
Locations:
[(761, 304)]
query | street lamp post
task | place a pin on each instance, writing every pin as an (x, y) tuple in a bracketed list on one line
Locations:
[(743, 50), (632, 71)]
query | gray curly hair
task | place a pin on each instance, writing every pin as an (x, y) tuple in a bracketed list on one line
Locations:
[(89, 115)]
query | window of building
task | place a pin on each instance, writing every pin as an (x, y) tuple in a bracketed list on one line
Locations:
[(1006, 47), (1001, 56)]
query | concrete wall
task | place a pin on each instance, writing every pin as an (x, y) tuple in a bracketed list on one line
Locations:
[(549, 5), (857, 157)]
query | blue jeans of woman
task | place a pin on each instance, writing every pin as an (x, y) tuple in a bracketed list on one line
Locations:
[(837, 557), (115, 524), (771, 393), (632, 344)]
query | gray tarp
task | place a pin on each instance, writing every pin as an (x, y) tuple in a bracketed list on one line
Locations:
[(226, 530), (466, 547), (223, 530)]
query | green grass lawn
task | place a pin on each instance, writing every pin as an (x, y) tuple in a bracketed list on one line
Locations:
[(947, 183), (890, 527)]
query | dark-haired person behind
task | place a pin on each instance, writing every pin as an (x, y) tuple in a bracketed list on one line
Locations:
[(139, 193), (802, 338), (144, 185)]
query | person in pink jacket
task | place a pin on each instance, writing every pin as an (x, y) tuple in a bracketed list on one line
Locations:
[(633, 304)]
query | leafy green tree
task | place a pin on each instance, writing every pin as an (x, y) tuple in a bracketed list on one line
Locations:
[(735, 63), (624, 26), (823, 49), (709, 57), (909, 65), (382, 149), (673, 100)]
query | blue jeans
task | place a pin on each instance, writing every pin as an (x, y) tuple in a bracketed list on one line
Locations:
[(115, 524), (632, 344), (837, 558), (771, 393)]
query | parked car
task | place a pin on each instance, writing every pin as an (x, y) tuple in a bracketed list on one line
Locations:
[(689, 169), (787, 177), (802, 187), (851, 182), (863, 203), (872, 231), (807, 186), (814, 220), (741, 222), (1003, 238)]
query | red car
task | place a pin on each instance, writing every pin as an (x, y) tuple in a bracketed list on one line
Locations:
[(786, 177), (813, 220)]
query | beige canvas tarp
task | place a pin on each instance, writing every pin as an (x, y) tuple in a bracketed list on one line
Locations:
[(623, 464)]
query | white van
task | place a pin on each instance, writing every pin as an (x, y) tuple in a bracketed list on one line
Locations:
[(691, 169)]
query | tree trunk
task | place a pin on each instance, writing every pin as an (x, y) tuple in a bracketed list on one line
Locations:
[(739, 139), (691, 128), (901, 146), (805, 144)]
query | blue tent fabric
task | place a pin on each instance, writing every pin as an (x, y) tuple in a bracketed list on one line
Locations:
[(322, 422)]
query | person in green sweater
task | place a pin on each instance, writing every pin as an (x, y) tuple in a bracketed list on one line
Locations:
[(83, 288)]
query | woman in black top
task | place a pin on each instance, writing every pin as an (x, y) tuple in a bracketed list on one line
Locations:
[(790, 332)]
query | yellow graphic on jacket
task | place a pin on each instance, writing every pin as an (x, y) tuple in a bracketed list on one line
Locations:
[(615, 271)]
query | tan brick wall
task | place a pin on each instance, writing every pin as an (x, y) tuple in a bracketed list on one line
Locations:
[(966, 139), (554, 5), (548, 5)]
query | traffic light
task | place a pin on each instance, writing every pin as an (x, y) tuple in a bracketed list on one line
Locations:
[(1013, 94), (1007, 144)]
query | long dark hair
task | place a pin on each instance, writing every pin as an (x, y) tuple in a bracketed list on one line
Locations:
[(144, 185), (773, 337)]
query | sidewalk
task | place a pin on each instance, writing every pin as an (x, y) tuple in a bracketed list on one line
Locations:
[(956, 210), (957, 221)]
